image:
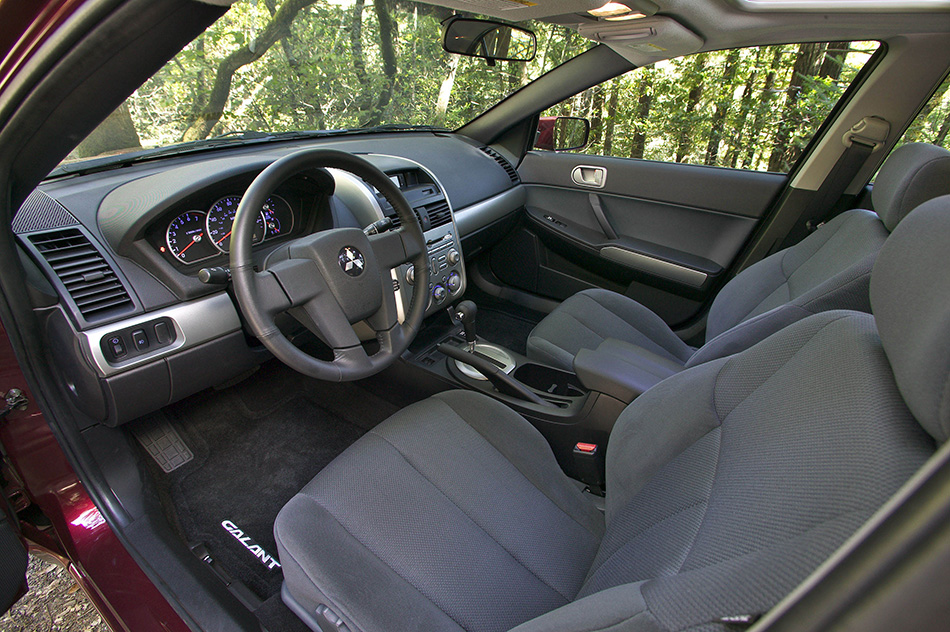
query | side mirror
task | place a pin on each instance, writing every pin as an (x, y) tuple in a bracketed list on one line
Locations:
[(562, 133), (493, 41)]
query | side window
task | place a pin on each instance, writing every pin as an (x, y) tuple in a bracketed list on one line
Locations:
[(749, 108), (932, 125)]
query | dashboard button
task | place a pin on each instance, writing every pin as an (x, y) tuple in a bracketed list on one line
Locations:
[(411, 275), (117, 346), (439, 293), (161, 333), (139, 339), (454, 256)]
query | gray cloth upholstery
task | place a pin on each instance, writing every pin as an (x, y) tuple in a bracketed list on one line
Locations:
[(727, 485), (829, 269), (589, 317), (911, 175), (457, 517), (910, 294)]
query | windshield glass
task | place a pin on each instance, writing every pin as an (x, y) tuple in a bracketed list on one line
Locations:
[(286, 65)]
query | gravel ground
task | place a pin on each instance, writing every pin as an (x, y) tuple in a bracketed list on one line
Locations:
[(54, 604)]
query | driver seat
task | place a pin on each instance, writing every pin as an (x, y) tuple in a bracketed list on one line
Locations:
[(727, 484)]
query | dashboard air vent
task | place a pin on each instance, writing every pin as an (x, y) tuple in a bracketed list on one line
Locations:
[(398, 222), (503, 162), (439, 214), (89, 280)]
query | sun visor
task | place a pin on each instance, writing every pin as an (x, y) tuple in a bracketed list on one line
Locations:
[(644, 41), (518, 10)]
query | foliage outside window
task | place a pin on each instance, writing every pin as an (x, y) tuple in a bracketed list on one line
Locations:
[(282, 65), (751, 108), (932, 125)]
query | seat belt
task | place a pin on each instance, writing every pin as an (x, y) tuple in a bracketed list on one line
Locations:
[(863, 139)]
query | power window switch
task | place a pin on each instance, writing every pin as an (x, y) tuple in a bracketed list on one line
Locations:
[(139, 339)]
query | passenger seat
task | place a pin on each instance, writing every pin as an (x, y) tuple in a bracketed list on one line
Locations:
[(829, 269)]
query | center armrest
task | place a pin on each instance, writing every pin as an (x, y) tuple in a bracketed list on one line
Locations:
[(622, 370)]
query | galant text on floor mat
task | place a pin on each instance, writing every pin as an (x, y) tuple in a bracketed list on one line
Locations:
[(266, 558)]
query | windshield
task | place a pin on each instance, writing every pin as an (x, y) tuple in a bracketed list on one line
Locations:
[(285, 65)]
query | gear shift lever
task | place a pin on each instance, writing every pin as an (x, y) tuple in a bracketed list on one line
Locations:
[(465, 312)]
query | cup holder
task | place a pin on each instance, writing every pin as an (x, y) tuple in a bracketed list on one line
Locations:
[(546, 379)]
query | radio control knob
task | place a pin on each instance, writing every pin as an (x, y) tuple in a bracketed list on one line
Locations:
[(454, 257), (411, 275), (454, 282)]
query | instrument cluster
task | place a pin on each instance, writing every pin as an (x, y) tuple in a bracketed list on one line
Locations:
[(196, 235)]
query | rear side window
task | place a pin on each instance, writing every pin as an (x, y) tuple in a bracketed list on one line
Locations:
[(932, 125), (749, 108)]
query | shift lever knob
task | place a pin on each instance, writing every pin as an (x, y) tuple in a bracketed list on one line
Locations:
[(465, 312)]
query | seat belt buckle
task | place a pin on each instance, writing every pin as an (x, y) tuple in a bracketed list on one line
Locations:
[(589, 465)]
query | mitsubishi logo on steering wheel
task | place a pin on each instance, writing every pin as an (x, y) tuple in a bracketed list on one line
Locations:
[(351, 260)]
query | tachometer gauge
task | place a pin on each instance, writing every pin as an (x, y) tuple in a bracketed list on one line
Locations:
[(278, 216), (220, 219), (186, 238)]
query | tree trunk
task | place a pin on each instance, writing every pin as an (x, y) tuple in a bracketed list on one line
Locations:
[(805, 66), (387, 50), (942, 133), (718, 122), (445, 91), (114, 134), (745, 106), (597, 119), (207, 117), (833, 62), (644, 102), (763, 109), (685, 142), (611, 116)]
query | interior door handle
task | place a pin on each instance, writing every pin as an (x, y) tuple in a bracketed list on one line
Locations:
[(588, 176)]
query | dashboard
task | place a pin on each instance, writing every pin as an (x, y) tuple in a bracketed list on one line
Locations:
[(129, 267)]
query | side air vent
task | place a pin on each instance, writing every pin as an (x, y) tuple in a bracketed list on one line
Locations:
[(439, 214), (503, 162), (88, 278)]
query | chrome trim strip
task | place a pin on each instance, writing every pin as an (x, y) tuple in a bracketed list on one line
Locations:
[(481, 214), (195, 322), (652, 265)]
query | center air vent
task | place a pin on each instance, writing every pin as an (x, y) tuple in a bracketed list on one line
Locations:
[(397, 222), (439, 214), (503, 162), (87, 277)]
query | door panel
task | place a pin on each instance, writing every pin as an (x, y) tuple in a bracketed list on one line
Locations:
[(663, 233)]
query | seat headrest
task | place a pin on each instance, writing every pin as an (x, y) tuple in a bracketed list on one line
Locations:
[(911, 175), (910, 299)]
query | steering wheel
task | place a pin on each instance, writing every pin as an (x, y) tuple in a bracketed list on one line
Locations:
[(331, 279)]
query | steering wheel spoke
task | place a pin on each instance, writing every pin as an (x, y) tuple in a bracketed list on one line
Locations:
[(323, 316), (394, 248)]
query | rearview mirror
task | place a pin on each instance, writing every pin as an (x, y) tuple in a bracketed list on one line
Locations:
[(562, 133), (494, 41)]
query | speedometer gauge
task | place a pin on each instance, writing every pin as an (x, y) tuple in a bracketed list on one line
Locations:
[(186, 238), (220, 219)]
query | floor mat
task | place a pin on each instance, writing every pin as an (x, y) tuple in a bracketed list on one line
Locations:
[(256, 444)]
